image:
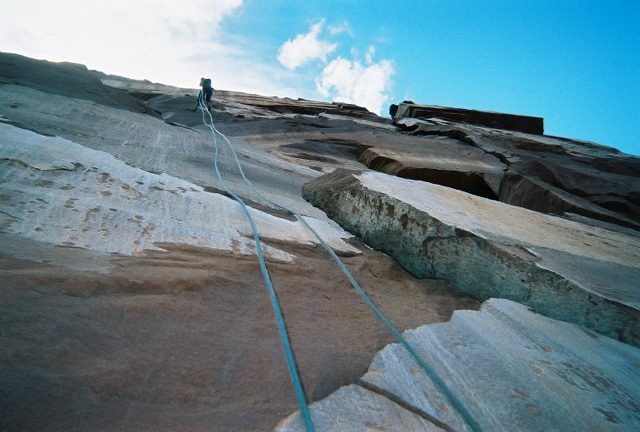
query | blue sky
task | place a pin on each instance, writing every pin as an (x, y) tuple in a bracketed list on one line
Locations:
[(575, 63)]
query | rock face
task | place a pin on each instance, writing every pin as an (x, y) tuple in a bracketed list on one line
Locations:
[(507, 365), (564, 269), (130, 295), (132, 299), (112, 207), (69, 80), (547, 174)]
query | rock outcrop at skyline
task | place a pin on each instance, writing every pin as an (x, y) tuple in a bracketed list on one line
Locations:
[(543, 173), (132, 299)]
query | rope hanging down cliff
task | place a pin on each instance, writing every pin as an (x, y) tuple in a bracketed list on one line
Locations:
[(293, 370), (412, 351)]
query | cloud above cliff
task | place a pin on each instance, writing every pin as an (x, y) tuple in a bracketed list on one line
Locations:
[(342, 80), (305, 48), (104, 28), (164, 41), (353, 82), (177, 43)]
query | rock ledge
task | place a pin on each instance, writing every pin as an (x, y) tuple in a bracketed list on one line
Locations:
[(564, 269)]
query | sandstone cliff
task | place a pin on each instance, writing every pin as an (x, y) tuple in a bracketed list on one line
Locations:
[(131, 297)]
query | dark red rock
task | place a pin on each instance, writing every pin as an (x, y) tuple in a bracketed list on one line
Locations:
[(548, 174), (528, 124)]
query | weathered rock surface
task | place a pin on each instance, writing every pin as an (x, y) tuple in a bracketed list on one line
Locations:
[(130, 298), (511, 368), (112, 207), (548, 174), (564, 269)]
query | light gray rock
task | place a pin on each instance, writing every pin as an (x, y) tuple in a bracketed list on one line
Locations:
[(512, 369), (151, 144), (353, 408), (564, 269), (517, 370), (59, 192)]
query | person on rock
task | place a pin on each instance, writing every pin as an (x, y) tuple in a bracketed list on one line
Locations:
[(205, 93)]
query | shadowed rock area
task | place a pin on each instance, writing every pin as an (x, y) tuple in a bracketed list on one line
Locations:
[(132, 298), (543, 173), (528, 124)]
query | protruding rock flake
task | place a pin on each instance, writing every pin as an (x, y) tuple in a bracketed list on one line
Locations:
[(562, 268)]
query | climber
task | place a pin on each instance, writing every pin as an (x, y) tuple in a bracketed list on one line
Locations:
[(205, 93)]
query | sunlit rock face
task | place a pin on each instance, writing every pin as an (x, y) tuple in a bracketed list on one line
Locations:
[(110, 206), (131, 297), (511, 368), (564, 269)]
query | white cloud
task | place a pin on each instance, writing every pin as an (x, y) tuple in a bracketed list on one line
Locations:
[(305, 48), (369, 55), (351, 82), (161, 40), (174, 43), (342, 28)]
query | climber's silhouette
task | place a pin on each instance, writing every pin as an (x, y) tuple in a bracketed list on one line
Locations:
[(205, 93)]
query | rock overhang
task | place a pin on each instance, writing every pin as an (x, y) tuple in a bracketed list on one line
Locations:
[(521, 123), (543, 173)]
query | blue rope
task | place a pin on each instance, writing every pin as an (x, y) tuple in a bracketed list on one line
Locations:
[(418, 358), (306, 415)]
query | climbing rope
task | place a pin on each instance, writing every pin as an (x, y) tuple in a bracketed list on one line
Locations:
[(412, 351), (304, 409)]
